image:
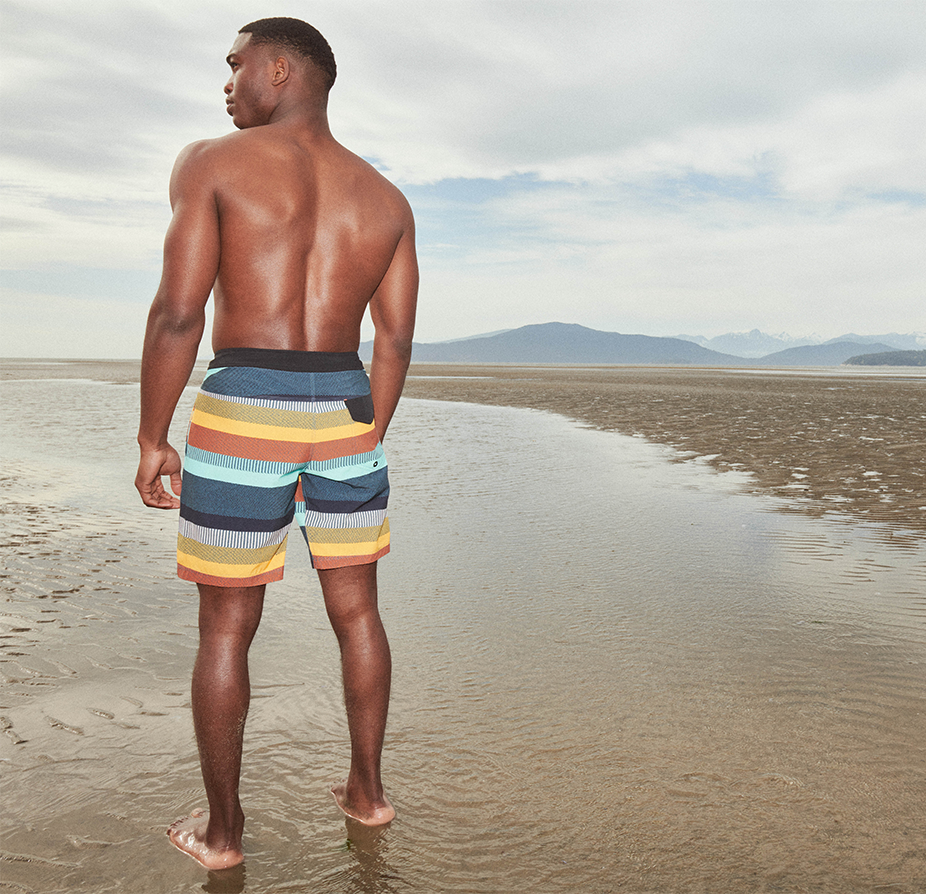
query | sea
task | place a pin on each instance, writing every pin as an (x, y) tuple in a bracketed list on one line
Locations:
[(613, 672)]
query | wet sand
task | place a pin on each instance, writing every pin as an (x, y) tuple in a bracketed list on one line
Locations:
[(612, 672), (836, 439), (852, 440)]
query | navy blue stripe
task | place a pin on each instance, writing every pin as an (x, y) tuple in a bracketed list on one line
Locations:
[(346, 506), (236, 500), (357, 490), (230, 523), (316, 398)]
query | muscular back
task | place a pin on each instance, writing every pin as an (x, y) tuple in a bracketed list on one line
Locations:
[(295, 237), (305, 233)]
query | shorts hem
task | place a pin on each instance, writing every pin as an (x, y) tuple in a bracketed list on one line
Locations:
[(197, 577), (321, 562)]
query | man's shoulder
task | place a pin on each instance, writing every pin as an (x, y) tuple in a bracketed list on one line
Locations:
[(210, 150), (386, 189), (206, 163), (201, 167)]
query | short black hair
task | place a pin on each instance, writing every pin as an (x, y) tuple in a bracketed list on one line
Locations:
[(298, 36)]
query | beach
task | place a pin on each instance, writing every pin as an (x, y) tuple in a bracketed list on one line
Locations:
[(633, 650), (836, 438)]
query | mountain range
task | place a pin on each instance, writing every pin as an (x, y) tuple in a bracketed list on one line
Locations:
[(761, 344), (572, 343)]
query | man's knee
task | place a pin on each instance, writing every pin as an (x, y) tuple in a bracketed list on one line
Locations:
[(230, 611), (350, 593)]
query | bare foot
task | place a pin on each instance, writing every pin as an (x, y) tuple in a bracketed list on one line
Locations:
[(189, 835), (375, 816)]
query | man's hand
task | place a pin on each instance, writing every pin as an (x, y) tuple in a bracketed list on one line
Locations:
[(152, 465)]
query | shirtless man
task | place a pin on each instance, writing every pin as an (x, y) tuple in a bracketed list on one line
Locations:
[(295, 236)]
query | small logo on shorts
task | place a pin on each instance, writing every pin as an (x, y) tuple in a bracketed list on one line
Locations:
[(375, 464)]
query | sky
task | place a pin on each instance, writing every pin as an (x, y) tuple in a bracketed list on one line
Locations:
[(640, 167)]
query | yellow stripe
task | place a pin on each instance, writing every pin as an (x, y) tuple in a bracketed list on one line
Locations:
[(229, 409), (347, 535), (356, 549), (280, 433), (228, 554), (219, 569)]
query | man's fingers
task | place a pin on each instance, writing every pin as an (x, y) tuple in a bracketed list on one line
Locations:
[(148, 481), (154, 495), (160, 499)]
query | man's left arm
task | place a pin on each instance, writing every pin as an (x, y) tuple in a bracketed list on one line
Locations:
[(392, 310)]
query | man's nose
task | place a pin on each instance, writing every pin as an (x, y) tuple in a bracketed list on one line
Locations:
[(228, 86)]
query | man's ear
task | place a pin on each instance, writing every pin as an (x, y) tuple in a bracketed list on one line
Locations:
[(280, 71)]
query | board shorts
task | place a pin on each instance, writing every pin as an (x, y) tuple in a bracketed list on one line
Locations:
[(276, 435)]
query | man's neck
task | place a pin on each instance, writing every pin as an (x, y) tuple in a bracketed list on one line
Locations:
[(304, 116)]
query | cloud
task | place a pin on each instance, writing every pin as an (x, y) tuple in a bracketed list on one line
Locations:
[(494, 89), (104, 90), (629, 165), (620, 261)]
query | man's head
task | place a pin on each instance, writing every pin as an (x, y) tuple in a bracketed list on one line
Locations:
[(297, 37), (277, 64)]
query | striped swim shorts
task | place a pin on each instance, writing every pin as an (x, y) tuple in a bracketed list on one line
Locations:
[(277, 435)]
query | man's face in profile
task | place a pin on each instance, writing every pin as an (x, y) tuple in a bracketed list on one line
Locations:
[(249, 95)]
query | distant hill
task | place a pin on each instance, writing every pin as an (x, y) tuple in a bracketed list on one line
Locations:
[(755, 344), (894, 340), (570, 343), (819, 355), (750, 344), (889, 358)]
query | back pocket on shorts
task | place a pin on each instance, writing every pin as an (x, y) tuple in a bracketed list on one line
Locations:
[(360, 408)]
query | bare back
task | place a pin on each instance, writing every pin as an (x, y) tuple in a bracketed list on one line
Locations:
[(294, 236), (307, 233)]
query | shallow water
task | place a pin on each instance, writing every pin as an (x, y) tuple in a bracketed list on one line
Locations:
[(612, 672)]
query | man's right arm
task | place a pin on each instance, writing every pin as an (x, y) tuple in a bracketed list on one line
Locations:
[(176, 320), (392, 309)]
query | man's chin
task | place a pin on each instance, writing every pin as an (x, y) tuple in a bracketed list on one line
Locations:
[(239, 121)]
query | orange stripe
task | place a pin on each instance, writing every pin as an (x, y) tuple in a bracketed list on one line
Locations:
[(342, 561), (265, 450), (199, 577), (365, 443), (244, 447)]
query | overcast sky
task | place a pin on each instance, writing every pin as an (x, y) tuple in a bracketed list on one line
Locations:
[(647, 167)]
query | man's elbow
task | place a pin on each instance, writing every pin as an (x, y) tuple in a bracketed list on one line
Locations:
[(397, 347), (173, 320)]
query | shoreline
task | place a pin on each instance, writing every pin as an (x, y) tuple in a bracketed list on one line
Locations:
[(832, 441)]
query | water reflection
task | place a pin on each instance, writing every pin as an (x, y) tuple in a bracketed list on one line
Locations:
[(228, 881), (369, 871)]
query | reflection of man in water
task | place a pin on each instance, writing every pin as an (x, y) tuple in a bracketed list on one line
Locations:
[(296, 236)]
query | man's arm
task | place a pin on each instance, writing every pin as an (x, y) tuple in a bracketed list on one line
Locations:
[(392, 309), (176, 320)]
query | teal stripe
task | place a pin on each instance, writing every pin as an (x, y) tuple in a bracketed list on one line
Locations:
[(372, 462), (220, 460), (238, 476)]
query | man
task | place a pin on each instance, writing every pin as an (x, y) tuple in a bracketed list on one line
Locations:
[(295, 236)]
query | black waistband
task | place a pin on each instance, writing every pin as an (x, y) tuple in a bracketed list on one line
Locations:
[(288, 361)]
